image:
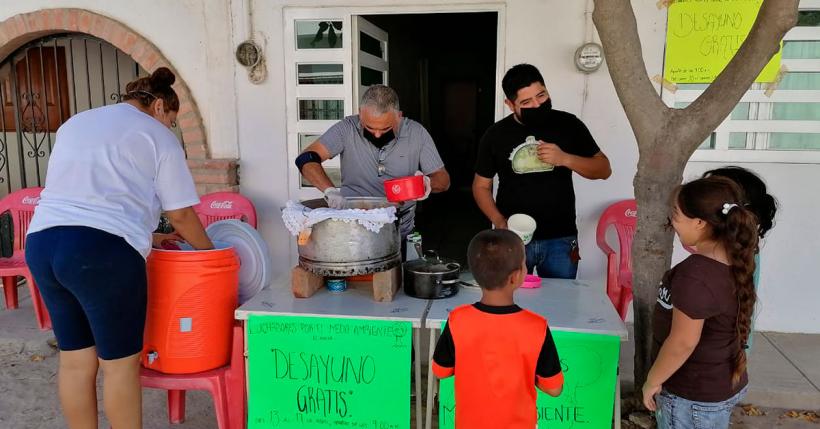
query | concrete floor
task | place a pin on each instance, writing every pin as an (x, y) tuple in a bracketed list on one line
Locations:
[(784, 370)]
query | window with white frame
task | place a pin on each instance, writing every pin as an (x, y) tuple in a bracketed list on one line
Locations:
[(783, 126)]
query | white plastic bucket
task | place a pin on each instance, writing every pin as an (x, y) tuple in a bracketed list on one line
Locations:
[(523, 225)]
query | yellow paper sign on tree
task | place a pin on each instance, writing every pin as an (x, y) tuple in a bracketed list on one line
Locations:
[(702, 36)]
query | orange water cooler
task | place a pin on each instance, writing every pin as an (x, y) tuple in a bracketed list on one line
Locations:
[(192, 296)]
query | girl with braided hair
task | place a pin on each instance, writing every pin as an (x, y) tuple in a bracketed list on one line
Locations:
[(703, 314)]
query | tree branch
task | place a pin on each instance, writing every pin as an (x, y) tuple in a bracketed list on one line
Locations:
[(775, 19), (616, 24)]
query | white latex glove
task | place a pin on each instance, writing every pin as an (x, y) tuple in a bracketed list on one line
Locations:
[(334, 198), (427, 187)]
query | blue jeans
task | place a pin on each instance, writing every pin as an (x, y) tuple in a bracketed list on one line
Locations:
[(552, 257), (675, 412)]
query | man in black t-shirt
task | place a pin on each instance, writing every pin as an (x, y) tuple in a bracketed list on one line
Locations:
[(548, 196)]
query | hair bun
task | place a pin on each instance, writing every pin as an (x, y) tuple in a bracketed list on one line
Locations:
[(162, 78)]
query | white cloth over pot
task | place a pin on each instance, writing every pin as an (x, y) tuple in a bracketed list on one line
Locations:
[(298, 218)]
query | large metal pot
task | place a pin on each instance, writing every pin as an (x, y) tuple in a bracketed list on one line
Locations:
[(431, 277), (337, 248)]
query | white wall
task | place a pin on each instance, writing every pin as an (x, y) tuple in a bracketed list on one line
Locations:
[(199, 36)]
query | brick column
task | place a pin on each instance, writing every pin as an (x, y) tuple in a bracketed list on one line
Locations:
[(214, 175)]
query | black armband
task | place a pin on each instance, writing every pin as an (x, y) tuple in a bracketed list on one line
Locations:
[(306, 158)]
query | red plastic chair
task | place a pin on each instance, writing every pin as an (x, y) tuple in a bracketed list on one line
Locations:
[(20, 205), (225, 205), (226, 385), (622, 215)]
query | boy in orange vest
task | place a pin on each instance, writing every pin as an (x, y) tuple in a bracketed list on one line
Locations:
[(503, 351)]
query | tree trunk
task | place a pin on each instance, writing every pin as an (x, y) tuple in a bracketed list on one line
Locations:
[(651, 247), (667, 137)]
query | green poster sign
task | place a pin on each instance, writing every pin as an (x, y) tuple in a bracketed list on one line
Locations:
[(702, 36), (310, 372), (590, 364)]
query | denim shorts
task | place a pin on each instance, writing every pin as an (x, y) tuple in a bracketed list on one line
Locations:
[(674, 412), (94, 286), (553, 257)]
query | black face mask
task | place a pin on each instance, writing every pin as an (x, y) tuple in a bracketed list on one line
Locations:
[(537, 115), (380, 141)]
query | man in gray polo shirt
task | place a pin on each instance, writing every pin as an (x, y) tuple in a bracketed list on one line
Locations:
[(376, 145)]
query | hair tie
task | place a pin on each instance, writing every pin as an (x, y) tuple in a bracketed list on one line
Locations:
[(142, 92), (727, 207)]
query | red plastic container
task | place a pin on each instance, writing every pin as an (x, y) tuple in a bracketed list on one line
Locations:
[(404, 188), (192, 296)]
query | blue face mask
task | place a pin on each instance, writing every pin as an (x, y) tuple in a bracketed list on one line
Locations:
[(381, 141)]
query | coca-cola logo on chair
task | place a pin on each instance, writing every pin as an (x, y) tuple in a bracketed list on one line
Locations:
[(31, 201), (222, 204)]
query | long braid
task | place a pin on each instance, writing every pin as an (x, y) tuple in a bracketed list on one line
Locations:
[(740, 241)]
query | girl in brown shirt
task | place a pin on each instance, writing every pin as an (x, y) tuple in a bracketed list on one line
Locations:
[(703, 313)]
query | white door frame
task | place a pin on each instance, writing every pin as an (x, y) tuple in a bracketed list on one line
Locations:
[(364, 59)]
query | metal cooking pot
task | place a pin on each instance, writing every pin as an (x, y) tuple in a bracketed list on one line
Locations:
[(338, 248), (431, 277)]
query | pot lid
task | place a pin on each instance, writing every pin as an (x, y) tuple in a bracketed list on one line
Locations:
[(252, 251), (435, 266)]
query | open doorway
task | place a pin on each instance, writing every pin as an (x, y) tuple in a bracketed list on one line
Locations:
[(443, 67)]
